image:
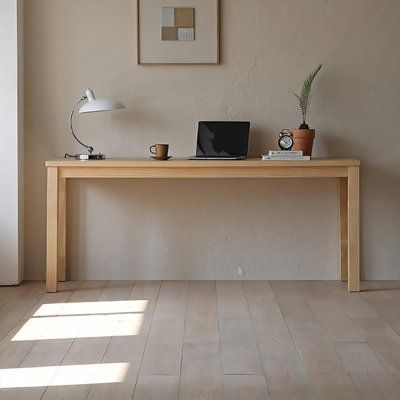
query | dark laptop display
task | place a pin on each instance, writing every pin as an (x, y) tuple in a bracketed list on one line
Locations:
[(222, 139)]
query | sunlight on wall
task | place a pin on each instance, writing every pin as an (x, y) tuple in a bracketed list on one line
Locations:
[(63, 375), (84, 320)]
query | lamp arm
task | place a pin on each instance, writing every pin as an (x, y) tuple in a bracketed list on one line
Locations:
[(88, 148)]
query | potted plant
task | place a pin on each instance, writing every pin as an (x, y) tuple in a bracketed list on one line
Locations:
[(304, 136)]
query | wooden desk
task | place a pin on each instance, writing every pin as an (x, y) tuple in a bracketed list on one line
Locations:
[(58, 171)]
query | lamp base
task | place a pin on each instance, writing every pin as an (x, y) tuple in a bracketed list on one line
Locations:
[(90, 156)]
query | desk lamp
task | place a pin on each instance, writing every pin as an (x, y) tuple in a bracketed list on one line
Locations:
[(92, 105)]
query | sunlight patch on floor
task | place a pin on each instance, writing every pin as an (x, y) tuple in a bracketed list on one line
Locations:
[(63, 375), (47, 328), (84, 320), (89, 308)]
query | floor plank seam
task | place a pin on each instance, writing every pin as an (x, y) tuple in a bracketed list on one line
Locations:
[(183, 341), (287, 326), (110, 338), (147, 337), (257, 343), (219, 333)]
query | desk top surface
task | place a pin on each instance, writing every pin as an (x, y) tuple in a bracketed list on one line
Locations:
[(180, 162)]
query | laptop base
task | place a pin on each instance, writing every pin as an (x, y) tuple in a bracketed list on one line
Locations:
[(216, 158)]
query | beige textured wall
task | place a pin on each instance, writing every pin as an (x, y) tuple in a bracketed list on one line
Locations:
[(209, 229)]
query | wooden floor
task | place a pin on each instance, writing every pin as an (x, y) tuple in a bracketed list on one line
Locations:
[(200, 340)]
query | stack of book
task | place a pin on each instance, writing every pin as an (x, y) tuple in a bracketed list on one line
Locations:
[(284, 155)]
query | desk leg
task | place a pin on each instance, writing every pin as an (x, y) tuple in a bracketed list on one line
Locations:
[(52, 229), (354, 229), (344, 252), (62, 220)]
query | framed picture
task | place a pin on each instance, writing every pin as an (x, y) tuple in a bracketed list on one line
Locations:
[(178, 31)]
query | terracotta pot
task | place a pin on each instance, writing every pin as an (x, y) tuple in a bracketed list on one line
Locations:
[(303, 140)]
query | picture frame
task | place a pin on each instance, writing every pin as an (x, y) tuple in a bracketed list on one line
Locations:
[(178, 32)]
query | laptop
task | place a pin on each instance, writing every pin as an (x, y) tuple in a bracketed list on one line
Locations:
[(222, 140)]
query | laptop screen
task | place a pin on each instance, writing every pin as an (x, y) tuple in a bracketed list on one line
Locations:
[(222, 139)]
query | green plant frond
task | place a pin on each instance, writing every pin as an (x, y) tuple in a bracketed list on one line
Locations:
[(304, 97)]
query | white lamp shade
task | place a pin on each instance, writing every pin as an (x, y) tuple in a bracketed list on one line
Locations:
[(96, 105)]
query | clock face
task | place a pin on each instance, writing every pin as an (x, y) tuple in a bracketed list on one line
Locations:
[(285, 142)]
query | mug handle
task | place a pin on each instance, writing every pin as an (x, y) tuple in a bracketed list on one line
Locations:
[(152, 151)]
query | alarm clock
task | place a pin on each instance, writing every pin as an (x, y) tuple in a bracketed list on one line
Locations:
[(285, 140)]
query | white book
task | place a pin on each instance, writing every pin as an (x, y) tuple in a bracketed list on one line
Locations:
[(276, 158), (285, 153)]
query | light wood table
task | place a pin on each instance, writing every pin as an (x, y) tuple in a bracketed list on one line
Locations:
[(347, 170)]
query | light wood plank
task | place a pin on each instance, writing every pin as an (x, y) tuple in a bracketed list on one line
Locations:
[(147, 291), (334, 386), (163, 351), (370, 376), (201, 375), (389, 310), (88, 291), (239, 350), (11, 292), (334, 321), (117, 291), (372, 290), (284, 370), (125, 349), (156, 387), (354, 229), (291, 302), (242, 387), (344, 248), (317, 353), (202, 313), (231, 300), (353, 304), (265, 314), (172, 300), (52, 229), (383, 339), (315, 350), (391, 288)]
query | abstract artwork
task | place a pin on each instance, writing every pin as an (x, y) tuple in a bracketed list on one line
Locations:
[(177, 23), (178, 31)]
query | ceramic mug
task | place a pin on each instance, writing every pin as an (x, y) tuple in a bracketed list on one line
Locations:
[(159, 150)]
